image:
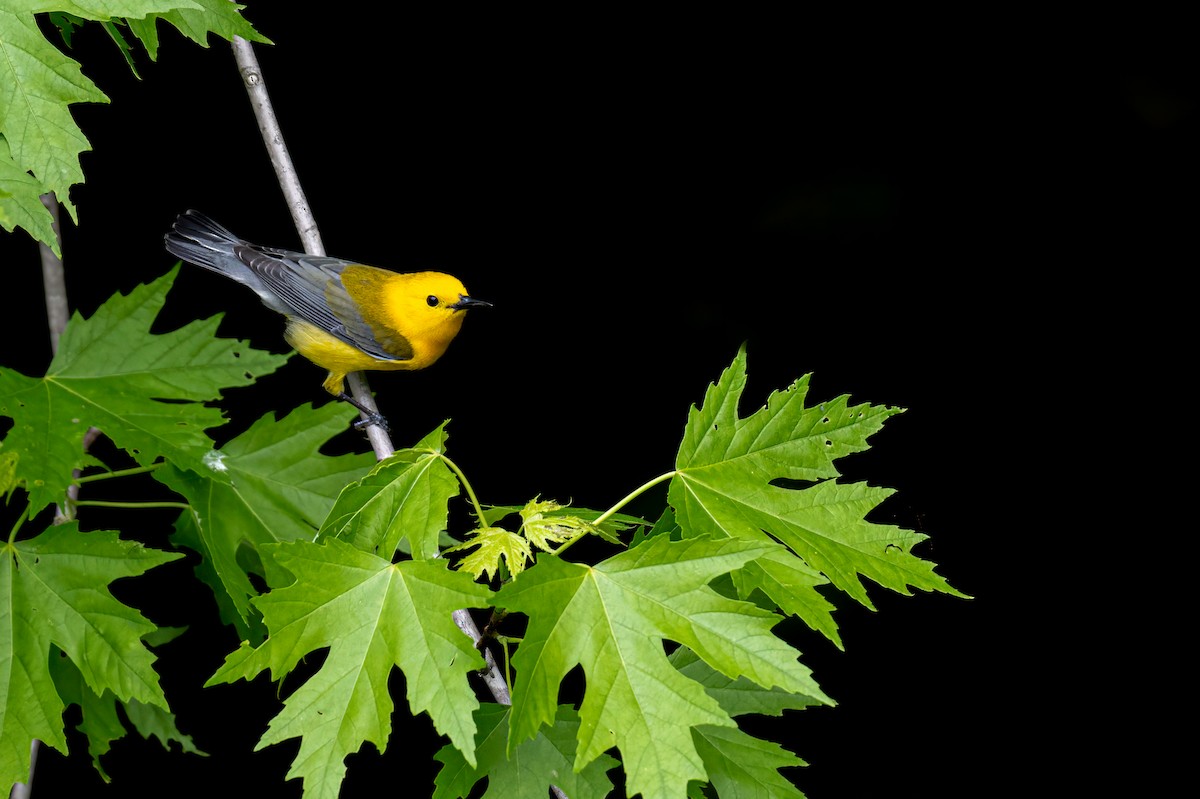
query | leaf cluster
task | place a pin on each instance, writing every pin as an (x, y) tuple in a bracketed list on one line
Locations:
[(306, 552)]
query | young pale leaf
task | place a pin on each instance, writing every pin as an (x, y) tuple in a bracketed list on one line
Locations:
[(54, 593), (744, 767), (612, 619), (493, 545), (545, 525), (608, 529), (403, 497), (545, 760), (372, 615), (723, 486), (277, 486), (111, 373)]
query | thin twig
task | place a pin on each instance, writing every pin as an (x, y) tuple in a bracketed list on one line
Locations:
[(54, 282)]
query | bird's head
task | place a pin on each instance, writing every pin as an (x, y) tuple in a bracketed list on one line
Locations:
[(430, 304)]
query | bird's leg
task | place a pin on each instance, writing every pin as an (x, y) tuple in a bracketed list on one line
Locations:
[(373, 417)]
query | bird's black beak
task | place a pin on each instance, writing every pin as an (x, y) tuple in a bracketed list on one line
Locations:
[(465, 302)]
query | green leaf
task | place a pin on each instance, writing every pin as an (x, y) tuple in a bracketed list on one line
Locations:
[(196, 20), (38, 84), (723, 486), (276, 486), (143, 391), (21, 201), (737, 695), (741, 766), (54, 593), (403, 498), (152, 721), (100, 721), (372, 615), (612, 619), (791, 584), (8, 471), (545, 760)]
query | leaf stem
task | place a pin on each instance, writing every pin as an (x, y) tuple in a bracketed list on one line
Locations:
[(12, 536), (462, 478), (642, 489), (118, 473), (603, 517), (97, 503)]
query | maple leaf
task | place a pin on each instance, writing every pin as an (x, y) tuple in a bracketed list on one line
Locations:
[(54, 593), (738, 764), (274, 486), (403, 498), (583, 519), (494, 544), (742, 766), (536, 764), (723, 456), (20, 200), (372, 615), (738, 695), (611, 616), (38, 84), (100, 721), (544, 525), (195, 19), (146, 398)]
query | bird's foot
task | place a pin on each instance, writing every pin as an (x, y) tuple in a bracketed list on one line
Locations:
[(372, 417)]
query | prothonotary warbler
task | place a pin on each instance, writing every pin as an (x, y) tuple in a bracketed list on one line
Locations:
[(341, 315)]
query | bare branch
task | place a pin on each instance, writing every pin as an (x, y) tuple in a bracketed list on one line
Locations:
[(54, 282), (306, 224)]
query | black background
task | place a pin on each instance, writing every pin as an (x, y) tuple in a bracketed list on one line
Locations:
[(960, 217)]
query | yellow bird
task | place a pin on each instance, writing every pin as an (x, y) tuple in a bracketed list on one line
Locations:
[(341, 315)]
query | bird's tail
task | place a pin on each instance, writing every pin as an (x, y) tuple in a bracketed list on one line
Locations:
[(199, 240)]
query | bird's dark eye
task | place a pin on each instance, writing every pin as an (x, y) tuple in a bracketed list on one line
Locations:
[(432, 300)]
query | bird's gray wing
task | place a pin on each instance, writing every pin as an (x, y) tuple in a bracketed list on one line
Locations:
[(310, 286)]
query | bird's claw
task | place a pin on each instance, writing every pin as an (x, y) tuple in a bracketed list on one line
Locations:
[(372, 419)]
